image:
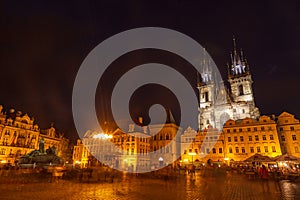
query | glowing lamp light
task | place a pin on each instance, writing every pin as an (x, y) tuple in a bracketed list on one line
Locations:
[(186, 160), (192, 154), (3, 161), (226, 158), (77, 162), (102, 136)]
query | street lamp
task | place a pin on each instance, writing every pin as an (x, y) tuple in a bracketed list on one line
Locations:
[(192, 154)]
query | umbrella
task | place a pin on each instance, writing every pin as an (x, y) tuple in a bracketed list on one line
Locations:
[(258, 158), (286, 157)]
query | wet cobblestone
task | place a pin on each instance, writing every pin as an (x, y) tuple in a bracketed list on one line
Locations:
[(201, 186)]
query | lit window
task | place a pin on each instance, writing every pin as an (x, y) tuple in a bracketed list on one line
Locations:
[(294, 137), (250, 138), (241, 138), (266, 149), (236, 150), (2, 151), (258, 149), (243, 150), (235, 138)]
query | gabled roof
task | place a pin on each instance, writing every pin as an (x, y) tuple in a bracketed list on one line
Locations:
[(285, 114)]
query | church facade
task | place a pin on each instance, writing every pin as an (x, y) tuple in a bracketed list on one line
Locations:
[(216, 103)]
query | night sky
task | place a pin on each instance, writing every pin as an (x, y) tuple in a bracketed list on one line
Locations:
[(43, 44)]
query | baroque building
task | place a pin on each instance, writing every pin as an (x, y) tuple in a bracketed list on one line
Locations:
[(289, 134), (246, 137), (20, 135), (130, 150), (216, 103)]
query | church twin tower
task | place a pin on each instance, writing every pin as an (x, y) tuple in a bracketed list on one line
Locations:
[(216, 103)]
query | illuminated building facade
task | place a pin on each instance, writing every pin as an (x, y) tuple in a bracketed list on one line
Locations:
[(289, 134), (217, 104), (81, 154), (19, 135), (165, 150), (130, 151), (202, 146), (54, 138), (246, 137)]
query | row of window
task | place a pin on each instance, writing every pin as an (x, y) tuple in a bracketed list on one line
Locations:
[(291, 128), (251, 150), (207, 150), (122, 139), (256, 138), (294, 137), (161, 137), (249, 129)]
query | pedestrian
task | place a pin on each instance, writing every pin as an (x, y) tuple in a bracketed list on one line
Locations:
[(264, 172)]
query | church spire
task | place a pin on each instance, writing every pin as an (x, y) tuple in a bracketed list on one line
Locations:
[(238, 64)]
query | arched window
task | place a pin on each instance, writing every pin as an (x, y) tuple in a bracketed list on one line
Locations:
[(241, 90)]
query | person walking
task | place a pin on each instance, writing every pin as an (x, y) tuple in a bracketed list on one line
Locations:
[(264, 173)]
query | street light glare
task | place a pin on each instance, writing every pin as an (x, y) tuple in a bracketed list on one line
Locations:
[(102, 136)]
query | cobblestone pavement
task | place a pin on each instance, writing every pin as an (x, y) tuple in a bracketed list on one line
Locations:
[(201, 186)]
